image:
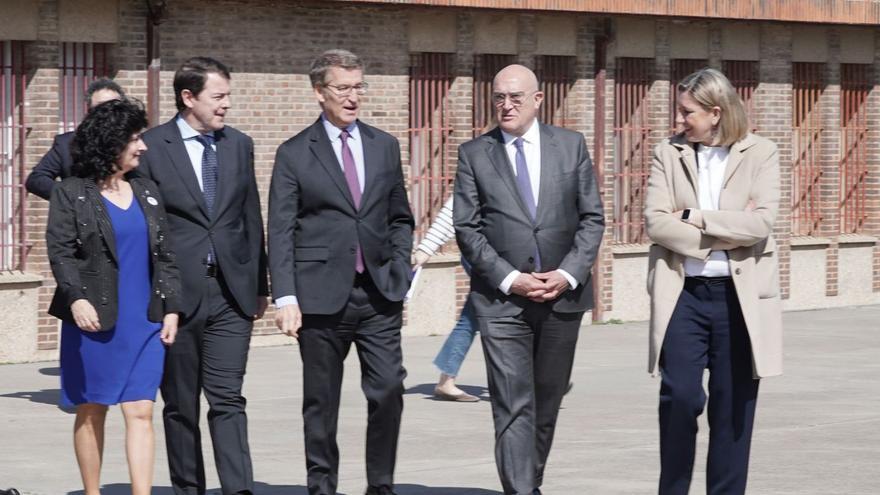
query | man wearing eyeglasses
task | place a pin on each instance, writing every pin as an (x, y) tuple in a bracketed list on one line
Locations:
[(529, 220), (340, 234)]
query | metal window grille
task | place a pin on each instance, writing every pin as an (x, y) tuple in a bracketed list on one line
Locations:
[(744, 75), (80, 64), (679, 68), (431, 162), (808, 84), (556, 75), (855, 85), (12, 138), (485, 68), (632, 142)]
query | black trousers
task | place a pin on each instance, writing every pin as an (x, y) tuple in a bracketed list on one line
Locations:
[(528, 364), (373, 324), (210, 355), (706, 331)]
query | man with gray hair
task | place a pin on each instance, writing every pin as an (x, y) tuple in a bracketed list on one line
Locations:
[(529, 220), (340, 234)]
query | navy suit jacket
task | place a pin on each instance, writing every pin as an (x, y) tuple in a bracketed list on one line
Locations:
[(314, 227), (57, 162), (237, 224)]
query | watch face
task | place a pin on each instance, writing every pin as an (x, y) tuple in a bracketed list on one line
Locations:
[(686, 214)]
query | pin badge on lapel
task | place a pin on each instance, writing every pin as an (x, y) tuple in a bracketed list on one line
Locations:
[(152, 201)]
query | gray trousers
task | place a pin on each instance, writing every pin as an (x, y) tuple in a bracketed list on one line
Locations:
[(528, 363)]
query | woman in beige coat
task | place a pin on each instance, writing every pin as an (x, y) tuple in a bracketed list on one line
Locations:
[(713, 196)]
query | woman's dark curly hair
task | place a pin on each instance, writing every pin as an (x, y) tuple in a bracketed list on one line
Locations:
[(102, 135)]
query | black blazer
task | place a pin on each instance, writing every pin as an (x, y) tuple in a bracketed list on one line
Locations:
[(82, 251), (57, 162), (497, 235), (314, 228), (237, 225)]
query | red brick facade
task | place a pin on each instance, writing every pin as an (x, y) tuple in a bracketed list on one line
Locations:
[(269, 46)]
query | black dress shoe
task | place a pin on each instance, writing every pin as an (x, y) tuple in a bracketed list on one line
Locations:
[(11, 491), (372, 490)]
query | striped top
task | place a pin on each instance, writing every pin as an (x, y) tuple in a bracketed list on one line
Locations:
[(440, 231)]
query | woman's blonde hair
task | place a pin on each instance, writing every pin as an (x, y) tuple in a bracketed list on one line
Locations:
[(710, 88)]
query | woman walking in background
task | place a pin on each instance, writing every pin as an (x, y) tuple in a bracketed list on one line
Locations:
[(712, 200), (459, 340), (117, 289)]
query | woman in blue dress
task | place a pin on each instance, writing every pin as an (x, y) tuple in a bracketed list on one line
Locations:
[(117, 289)]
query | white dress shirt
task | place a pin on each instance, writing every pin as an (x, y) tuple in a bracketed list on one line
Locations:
[(532, 152), (194, 148), (711, 164), (356, 145)]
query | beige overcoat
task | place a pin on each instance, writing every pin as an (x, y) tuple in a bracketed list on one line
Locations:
[(742, 226)]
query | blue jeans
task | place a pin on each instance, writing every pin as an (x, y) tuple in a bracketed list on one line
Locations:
[(458, 342)]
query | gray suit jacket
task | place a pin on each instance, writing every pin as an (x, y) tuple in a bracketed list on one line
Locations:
[(497, 235)]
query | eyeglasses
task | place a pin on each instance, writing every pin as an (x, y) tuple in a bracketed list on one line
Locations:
[(516, 99), (344, 91)]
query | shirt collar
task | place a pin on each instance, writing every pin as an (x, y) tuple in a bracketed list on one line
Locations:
[(186, 130), (531, 136), (333, 132)]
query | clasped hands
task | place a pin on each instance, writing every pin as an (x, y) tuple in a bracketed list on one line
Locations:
[(539, 286)]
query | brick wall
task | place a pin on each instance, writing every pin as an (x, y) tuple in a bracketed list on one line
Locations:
[(269, 46)]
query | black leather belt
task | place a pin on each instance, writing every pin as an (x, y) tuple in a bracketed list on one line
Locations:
[(710, 280)]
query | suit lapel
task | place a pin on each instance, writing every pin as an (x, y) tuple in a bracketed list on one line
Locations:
[(688, 161), (549, 157), (323, 151), (498, 157), (182, 165), (734, 159), (226, 170), (372, 163), (102, 217)]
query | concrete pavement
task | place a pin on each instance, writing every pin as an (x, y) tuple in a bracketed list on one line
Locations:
[(817, 430)]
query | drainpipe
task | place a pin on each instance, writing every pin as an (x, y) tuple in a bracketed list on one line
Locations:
[(600, 61), (157, 10)]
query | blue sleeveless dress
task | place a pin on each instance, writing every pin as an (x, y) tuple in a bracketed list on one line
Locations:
[(124, 363)]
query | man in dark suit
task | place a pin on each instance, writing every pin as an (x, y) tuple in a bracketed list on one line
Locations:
[(340, 233), (205, 173), (529, 220), (58, 162)]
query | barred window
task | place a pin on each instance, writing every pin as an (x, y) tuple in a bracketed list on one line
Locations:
[(632, 146), (432, 164), (79, 65), (808, 85), (12, 133)]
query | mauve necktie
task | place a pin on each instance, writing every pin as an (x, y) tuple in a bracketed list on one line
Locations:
[(209, 180), (354, 186), (524, 184)]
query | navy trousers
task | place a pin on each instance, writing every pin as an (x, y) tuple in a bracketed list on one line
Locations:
[(706, 331)]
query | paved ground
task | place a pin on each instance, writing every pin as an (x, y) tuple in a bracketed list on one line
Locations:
[(817, 432)]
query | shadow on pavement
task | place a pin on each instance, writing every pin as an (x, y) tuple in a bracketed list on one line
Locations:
[(52, 371), (259, 489), (427, 389), (439, 490), (51, 396)]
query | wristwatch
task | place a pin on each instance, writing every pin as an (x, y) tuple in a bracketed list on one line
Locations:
[(685, 214)]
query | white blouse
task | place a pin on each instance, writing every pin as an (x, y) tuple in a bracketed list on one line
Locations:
[(711, 164)]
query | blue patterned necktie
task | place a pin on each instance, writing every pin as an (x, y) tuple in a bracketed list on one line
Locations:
[(524, 184), (209, 181), (209, 171)]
